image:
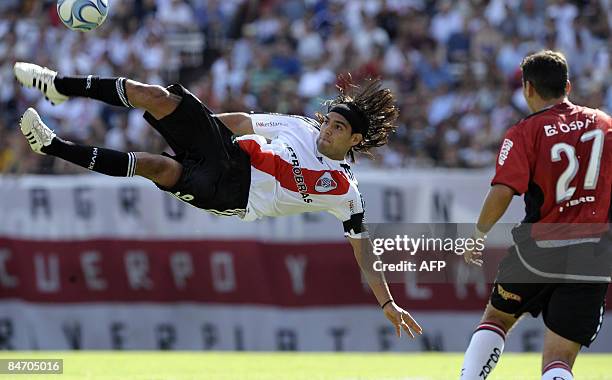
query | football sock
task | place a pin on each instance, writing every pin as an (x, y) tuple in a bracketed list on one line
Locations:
[(484, 351), (107, 90), (557, 370), (101, 160)]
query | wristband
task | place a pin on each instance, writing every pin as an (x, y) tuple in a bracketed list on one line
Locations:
[(385, 304)]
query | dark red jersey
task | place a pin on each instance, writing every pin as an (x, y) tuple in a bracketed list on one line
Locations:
[(561, 159)]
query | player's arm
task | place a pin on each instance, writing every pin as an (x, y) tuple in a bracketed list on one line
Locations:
[(239, 123), (362, 249), (495, 205), (512, 175), (352, 215), (401, 319)]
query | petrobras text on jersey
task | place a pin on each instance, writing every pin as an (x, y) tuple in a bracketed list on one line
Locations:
[(298, 176)]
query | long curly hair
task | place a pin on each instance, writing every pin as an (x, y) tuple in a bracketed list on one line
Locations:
[(376, 103)]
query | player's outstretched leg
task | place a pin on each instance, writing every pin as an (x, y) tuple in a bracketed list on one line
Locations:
[(486, 345), (162, 170), (119, 91)]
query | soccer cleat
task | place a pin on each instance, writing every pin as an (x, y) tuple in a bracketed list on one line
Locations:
[(35, 131), (31, 75)]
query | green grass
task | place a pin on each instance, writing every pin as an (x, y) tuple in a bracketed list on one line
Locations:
[(97, 365)]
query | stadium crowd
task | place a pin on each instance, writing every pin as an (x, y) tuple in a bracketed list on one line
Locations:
[(454, 66)]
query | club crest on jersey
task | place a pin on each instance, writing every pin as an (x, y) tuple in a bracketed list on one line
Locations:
[(325, 183)]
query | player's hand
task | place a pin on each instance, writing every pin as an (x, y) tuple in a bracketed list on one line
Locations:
[(473, 258), (401, 319)]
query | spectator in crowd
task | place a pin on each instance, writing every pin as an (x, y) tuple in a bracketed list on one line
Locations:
[(453, 64)]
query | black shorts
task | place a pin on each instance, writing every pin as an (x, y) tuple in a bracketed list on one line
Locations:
[(216, 171), (573, 310)]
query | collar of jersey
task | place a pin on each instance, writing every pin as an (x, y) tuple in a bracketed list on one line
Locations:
[(564, 103)]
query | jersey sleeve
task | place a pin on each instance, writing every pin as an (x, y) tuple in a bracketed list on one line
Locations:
[(352, 215), (513, 165), (270, 125)]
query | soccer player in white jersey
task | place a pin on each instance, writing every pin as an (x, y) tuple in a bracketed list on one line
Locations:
[(248, 165)]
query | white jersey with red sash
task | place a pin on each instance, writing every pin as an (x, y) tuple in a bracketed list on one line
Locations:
[(290, 176)]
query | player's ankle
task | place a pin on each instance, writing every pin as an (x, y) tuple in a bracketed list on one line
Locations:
[(557, 370)]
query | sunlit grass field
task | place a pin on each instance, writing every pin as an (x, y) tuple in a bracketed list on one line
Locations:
[(130, 365)]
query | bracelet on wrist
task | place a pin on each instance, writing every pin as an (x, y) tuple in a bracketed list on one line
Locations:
[(478, 234), (385, 304)]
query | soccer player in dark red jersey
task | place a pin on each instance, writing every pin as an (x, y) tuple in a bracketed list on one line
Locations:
[(560, 159)]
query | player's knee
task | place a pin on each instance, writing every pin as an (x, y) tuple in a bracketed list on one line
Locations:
[(153, 98), (168, 172), (159, 101), (160, 169), (154, 95)]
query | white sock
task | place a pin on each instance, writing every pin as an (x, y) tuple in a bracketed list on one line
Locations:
[(557, 370), (484, 351)]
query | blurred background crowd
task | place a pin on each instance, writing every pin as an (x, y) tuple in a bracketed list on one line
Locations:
[(453, 65)]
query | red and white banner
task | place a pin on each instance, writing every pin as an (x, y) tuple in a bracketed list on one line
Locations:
[(226, 272), (91, 262)]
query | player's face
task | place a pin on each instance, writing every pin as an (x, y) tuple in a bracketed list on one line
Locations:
[(336, 136)]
